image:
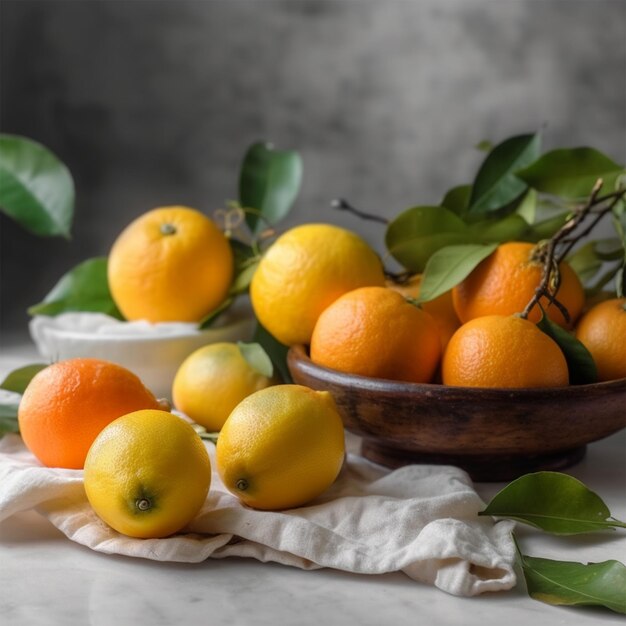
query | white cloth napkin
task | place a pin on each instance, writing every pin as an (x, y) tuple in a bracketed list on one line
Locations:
[(419, 519)]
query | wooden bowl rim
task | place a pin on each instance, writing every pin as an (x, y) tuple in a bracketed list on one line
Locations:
[(299, 356)]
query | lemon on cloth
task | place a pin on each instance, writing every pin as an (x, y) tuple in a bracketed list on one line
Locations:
[(212, 381), (171, 264), (281, 447), (305, 270), (147, 474)]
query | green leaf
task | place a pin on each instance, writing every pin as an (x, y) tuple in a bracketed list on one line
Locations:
[(554, 502), (269, 183), (580, 364), (17, 380), (496, 184), (571, 173), (276, 351), (83, 288), (9, 404), (585, 262), (37, 189), (510, 228), (457, 199), (528, 206), (257, 358), (447, 267), (417, 233), (544, 229), (576, 584)]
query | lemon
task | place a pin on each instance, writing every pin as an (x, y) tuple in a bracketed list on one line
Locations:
[(304, 271), (147, 474), (281, 447), (212, 381)]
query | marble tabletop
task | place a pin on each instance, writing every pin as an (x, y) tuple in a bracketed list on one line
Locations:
[(45, 579)]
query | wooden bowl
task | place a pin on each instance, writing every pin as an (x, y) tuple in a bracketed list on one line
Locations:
[(493, 434)]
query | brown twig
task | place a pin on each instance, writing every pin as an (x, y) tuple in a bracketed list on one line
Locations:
[(567, 238), (344, 205)]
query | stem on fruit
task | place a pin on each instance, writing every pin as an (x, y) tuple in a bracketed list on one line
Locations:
[(556, 249), (143, 504), (242, 484)]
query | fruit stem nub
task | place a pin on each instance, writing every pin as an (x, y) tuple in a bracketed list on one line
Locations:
[(168, 229), (143, 504), (242, 484)]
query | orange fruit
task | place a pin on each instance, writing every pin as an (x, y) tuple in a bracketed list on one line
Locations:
[(441, 309), (503, 351), (374, 331), (67, 404), (170, 264), (306, 269), (602, 330), (505, 282)]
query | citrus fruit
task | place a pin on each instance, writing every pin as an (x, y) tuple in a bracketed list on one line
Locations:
[(602, 330), (68, 403), (503, 351), (170, 264), (281, 447), (441, 309), (306, 269), (147, 474), (505, 282), (374, 331), (212, 381)]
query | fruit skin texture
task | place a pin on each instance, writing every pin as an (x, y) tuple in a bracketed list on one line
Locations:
[(441, 309), (281, 447), (374, 331), (212, 381), (602, 330), (152, 456), (67, 404), (503, 351), (170, 264), (505, 282), (304, 271)]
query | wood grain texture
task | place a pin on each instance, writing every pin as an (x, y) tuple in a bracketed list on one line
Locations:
[(495, 434)]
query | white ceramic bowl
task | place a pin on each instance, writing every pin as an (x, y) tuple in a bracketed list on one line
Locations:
[(152, 351)]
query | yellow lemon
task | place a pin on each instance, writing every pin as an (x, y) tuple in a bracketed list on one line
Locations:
[(281, 447), (212, 381), (147, 474), (304, 271), (170, 264)]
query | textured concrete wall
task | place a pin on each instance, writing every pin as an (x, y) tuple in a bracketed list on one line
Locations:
[(151, 103)]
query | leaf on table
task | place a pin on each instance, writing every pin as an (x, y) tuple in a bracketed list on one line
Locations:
[(580, 364), (417, 233), (447, 267), (571, 172), (37, 189), (554, 502), (576, 584), (496, 184), (269, 183), (84, 288), (17, 380)]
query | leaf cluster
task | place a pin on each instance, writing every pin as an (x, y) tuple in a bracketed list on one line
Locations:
[(561, 505)]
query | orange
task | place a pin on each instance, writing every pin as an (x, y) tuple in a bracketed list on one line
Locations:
[(67, 404), (441, 308), (374, 331), (505, 282), (602, 330), (306, 269), (170, 264), (503, 351)]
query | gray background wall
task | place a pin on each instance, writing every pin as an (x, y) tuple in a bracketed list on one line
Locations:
[(151, 103)]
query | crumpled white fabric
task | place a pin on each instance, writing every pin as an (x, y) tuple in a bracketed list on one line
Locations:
[(418, 519)]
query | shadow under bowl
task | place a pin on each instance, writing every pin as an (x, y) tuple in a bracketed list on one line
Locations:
[(493, 434)]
